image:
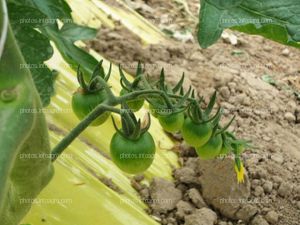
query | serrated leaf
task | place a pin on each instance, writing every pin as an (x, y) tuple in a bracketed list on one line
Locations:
[(75, 32), (277, 20), (72, 54)]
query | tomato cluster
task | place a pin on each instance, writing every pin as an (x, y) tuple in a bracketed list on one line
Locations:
[(132, 147)]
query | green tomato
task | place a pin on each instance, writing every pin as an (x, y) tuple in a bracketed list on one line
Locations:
[(195, 134), (211, 149), (172, 122), (153, 111), (135, 104), (132, 156), (83, 104)]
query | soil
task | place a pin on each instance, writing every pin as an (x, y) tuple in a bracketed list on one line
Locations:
[(258, 81)]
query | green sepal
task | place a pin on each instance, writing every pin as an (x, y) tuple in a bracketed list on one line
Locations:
[(131, 127), (178, 86), (93, 85)]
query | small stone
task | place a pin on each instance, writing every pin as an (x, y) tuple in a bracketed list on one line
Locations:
[(291, 106), (268, 187), (255, 183), (246, 212), (297, 190), (290, 117), (240, 98), (297, 117), (222, 223), (265, 210), (278, 158), (139, 178), (230, 38), (285, 189), (145, 193), (272, 217), (224, 91), (183, 208), (232, 85), (258, 191), (163, 189), (277, 179), (259, 220), (285, 52), (196, 198), (298, 205), (197, 56), (261, 173), (202, 216), (273, 107), (186, 175), (267, 48)]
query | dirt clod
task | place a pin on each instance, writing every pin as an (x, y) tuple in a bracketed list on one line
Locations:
[(164, 195), (184, 208), (220, 189), (196, 198), (272, 217), (203, 216), (259, 220)]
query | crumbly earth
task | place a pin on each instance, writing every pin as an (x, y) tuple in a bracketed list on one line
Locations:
[(258, 82)]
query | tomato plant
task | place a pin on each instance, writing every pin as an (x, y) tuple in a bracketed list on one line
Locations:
[(20, 89)]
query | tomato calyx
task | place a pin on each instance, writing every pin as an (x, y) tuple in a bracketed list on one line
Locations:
[(93, 86), (132, 128), (233, 145), (136, 84), (172, 106), (198, 115), (161, 84), (129, 87)]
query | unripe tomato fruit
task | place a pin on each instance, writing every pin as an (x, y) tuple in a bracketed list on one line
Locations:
[(84, 103), (172, 122), (132, 156), (195, 134), (211, 149), (135, 105), (153, 111)]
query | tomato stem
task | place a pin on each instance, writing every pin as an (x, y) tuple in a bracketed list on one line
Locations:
[(76, 131)]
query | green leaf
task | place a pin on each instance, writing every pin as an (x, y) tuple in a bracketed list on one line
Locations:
[(35, 47), (74, 32), (26, 16), (72, 54), (54, 9), (25, 163), (22, 15), (278, 20)]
